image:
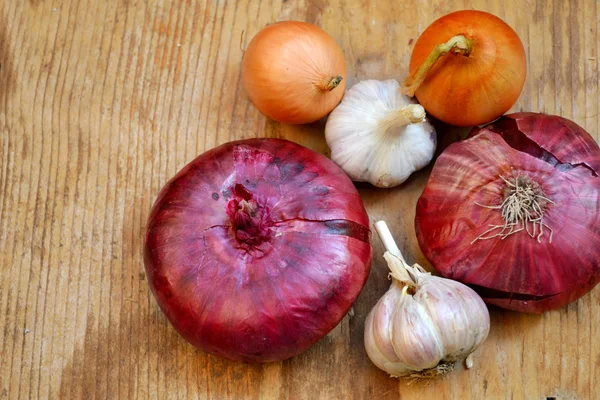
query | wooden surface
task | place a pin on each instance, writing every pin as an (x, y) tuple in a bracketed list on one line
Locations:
[(101, 101)]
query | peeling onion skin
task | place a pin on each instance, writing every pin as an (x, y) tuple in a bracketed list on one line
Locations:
[(269, 287), (518, 272)]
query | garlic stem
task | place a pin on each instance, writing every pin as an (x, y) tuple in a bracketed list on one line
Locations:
[(410, 114), (400, 270), (388, 240)]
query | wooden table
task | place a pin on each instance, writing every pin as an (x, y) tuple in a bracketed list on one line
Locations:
[(101, 101)]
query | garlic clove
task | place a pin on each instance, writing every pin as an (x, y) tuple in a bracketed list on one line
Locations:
[(415, 337), (375, 354), (452, 321), (382, 320), (461, 316)]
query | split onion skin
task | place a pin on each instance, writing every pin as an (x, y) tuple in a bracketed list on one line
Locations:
[(266, 291), (286, 68), (517, 272), (475, 89)]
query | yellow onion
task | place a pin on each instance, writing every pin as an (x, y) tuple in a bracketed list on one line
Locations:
[(294, 72)]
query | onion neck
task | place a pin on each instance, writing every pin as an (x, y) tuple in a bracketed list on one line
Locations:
[(328, 83), (459, 45), (250, 221), (410, 114)]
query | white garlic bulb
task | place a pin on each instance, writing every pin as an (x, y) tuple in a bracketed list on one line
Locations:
[(378, 135), (424, 323)]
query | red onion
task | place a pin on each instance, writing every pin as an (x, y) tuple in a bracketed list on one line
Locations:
[(513, 211), (257, 249)]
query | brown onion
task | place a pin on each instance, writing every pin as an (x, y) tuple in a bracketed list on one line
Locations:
[(257, 249), (513, 211), (294, 72)]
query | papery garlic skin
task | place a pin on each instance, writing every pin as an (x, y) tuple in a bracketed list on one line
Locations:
[(442, 322), (369, 143)]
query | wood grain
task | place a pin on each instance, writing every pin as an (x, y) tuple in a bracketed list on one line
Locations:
[(102, 101)]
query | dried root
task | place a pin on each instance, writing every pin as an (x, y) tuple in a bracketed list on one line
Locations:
[(438, 371), (522, 210)]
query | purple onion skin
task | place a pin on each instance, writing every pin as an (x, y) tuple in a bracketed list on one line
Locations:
[(518, 272), (257, 249)]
